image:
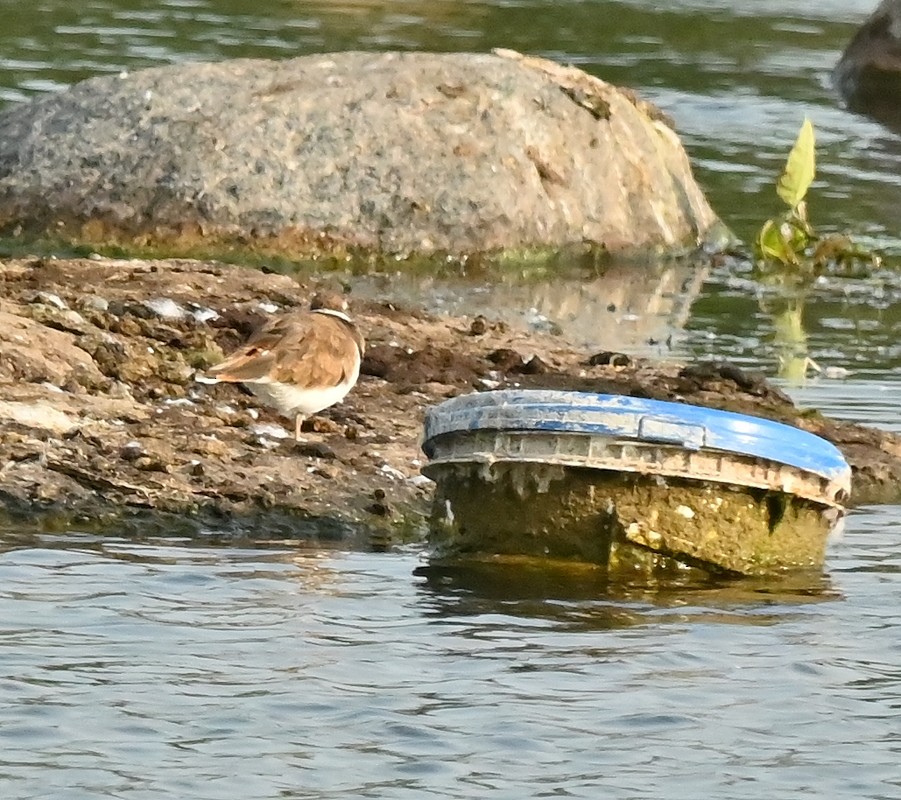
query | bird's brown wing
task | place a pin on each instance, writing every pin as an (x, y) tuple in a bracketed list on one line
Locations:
[(302, 349), (322, 353), (258, 357)]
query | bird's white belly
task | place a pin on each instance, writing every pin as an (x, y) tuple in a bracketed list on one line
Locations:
[(291, 400)]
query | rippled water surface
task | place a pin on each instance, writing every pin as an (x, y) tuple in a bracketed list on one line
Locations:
[(166, 667), (170, 668)]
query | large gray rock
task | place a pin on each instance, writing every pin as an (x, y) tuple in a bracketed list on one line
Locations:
[(387, 153), (868, 75)]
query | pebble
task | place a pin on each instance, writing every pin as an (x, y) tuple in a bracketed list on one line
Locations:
[(270, 430), (391, 472), (165, 308), (202, 314), (50, 299), (178, 401), (95, 302), (131, 451), (72, 318)]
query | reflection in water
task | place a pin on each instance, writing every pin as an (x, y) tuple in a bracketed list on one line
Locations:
[(581, 597), (848, 326), (311, 567), (629, 307), (790, 340)]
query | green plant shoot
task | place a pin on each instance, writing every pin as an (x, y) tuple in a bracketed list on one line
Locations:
[(800, 168), (787, 249)]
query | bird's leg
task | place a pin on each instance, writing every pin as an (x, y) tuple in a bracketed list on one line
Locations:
[(298, 421)]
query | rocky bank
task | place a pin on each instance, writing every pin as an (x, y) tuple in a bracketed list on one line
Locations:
[(102, 422)]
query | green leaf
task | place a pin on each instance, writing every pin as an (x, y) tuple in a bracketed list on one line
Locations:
[(800, 167), (772, 245)]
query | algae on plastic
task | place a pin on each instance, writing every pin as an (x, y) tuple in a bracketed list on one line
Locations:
[(631, 524)]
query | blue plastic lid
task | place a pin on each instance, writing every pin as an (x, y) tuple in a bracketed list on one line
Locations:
[(651, 421)]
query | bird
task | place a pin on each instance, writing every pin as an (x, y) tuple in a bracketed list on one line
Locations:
[(299, 363)]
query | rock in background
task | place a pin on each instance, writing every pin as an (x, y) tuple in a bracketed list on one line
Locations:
[(395, 153), (868, 75)]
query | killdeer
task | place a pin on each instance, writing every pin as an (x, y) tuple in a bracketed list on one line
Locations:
[(299, 363)]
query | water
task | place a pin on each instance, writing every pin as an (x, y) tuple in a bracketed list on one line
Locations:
[(849, 327), (200, 669), (168, 668)]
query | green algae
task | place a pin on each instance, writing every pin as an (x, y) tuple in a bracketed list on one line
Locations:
[(628, 524), (295, 251)]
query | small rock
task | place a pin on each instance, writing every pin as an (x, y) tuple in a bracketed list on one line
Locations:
[(127, 326), (210, 446), (608, 358), (49, 299), (505, 358), (202, 314), (94, 302), (534, 366), (380, 507), (511, 362), (120, 391), (42, 416), (131, 451), (116, 308), (165, 308), (322, 425), (270, 430), (391, 472), (540, 323), (151, 464), (178, 402), (314, 450), (70, 320)]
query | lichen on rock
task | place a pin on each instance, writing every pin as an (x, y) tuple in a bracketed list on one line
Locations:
[(351, 154)]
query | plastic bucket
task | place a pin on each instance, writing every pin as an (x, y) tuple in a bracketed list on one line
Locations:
[(612, 479)]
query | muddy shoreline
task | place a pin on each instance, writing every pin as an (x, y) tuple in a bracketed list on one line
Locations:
[(102, 423)]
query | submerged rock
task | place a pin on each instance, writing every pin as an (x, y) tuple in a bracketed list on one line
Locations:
[(393, 153)]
